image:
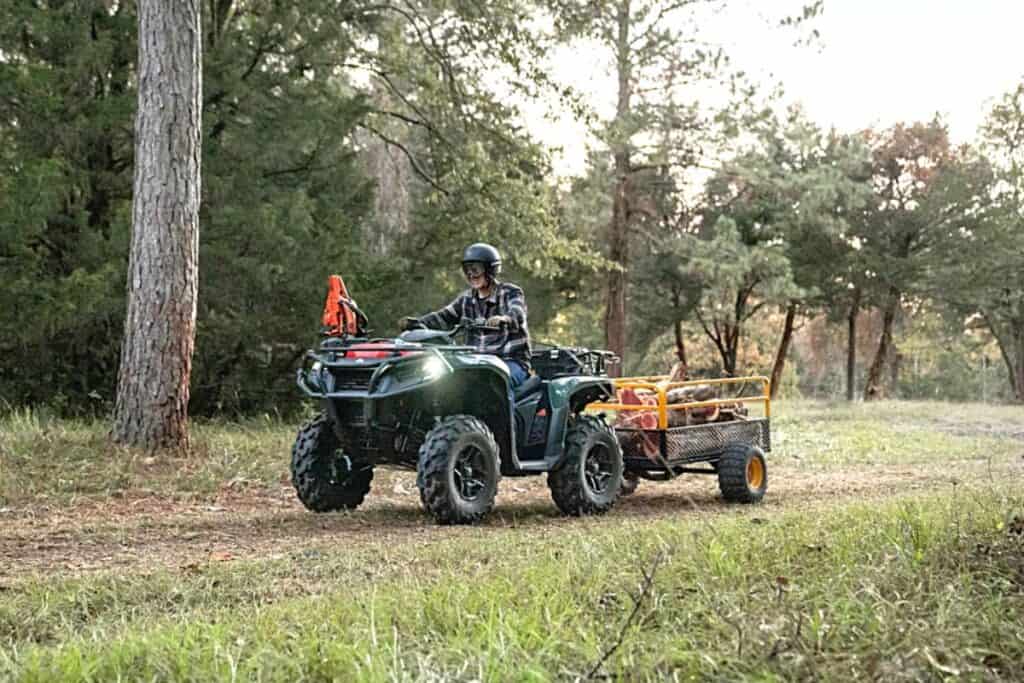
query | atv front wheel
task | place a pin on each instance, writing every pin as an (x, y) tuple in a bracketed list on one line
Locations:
[(742, 474), (459, 468), (590, 477), (325, 479)]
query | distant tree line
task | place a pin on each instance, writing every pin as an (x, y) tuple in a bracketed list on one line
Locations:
[(368, 139)]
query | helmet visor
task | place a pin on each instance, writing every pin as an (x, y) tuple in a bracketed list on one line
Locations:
[(473, 269)]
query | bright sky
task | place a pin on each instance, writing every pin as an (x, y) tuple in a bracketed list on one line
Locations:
[(877, 62)]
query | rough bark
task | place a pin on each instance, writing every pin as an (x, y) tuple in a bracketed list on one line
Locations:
[(151, 410), (1011, 348), (680, 344), (873, 385), (780, 356), (895, 367), (618, 228), (851, 346)]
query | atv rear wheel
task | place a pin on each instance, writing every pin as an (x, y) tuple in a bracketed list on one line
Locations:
[(459, 468), (590, 477), (325, 479), (742, 474)]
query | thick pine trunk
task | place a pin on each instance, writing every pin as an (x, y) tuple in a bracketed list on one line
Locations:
[(873, 385), (780, 356), (851, 346), (151, 411), (615, 325)]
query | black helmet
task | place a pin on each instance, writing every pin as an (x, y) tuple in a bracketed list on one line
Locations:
[(485, 254)]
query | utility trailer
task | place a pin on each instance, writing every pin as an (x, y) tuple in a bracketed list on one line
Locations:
[(668, 428)]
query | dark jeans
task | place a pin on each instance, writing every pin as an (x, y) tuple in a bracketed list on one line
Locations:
[(517, 373)]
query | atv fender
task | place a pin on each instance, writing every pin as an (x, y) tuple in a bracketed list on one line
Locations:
[(568, 396), (479, 386)]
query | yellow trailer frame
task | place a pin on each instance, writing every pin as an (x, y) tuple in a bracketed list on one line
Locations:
[(677, 448), (660, 385)]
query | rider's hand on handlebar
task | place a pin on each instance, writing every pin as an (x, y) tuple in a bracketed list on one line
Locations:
[(408, 323), (498, 321)]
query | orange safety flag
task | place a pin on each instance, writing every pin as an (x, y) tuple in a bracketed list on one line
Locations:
[(339, 318)]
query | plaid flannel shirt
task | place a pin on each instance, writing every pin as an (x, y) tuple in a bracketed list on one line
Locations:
[(509, 343)]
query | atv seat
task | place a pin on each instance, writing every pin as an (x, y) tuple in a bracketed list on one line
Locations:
[(532, 384)]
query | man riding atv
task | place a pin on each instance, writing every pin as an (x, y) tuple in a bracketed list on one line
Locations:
[(501, 304)]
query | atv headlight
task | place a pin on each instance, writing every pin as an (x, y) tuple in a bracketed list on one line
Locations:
[(433, 368), (316, 375)]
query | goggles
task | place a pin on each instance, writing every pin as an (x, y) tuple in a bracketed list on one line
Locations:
[(473, 269)]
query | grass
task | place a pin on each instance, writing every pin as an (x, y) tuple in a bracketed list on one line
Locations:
[(61, 461), (913, 586), (58, 461), (892, 432), (914, 589)]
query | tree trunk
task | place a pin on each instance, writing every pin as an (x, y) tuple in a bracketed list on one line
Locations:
[(618, 253), (680, 344), (851, 345), (732, 340), (895, 366), (151, 410), (780, 357), (618, 229), (1012, 351), (873, 386)]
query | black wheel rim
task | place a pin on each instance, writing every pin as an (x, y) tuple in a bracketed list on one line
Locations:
[(339, 467), (598, 469), (469, 473)]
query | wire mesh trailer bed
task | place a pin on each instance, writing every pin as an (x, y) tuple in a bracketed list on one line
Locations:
[(664, 431)]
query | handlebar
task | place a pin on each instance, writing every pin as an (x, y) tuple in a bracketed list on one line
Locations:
[(466, 324)]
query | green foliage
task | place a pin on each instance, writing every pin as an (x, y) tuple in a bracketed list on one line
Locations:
[(288, 115), (977, 270)]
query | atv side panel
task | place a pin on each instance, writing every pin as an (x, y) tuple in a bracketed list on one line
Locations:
[(566, 396)]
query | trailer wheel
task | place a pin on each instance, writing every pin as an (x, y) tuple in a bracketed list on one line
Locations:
[(742, 474)]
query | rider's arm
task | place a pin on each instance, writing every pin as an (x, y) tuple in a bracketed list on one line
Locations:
[(447, 317), (515, 308)]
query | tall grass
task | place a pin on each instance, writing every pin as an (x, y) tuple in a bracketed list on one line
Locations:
[(43, 459), (916, 589)]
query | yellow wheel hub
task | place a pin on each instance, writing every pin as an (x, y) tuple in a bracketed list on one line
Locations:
[(755, 473)]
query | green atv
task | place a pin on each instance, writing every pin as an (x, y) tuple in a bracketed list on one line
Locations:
[(423, 402)]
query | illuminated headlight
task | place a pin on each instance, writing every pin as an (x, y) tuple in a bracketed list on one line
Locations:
[(316, 375), (433, 368)]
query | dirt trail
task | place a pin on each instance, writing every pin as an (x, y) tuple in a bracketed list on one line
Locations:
[(145, 532)]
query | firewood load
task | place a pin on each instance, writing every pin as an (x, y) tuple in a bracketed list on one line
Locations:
[(694, 416), (646, 421)]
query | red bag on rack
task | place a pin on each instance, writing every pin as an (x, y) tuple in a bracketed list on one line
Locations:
[(339, 318)]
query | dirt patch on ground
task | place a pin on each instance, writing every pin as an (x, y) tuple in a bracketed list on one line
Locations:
[(138, 532)]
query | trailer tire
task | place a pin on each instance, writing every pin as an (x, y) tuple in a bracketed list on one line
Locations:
[(589, 479), (742, 474)]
